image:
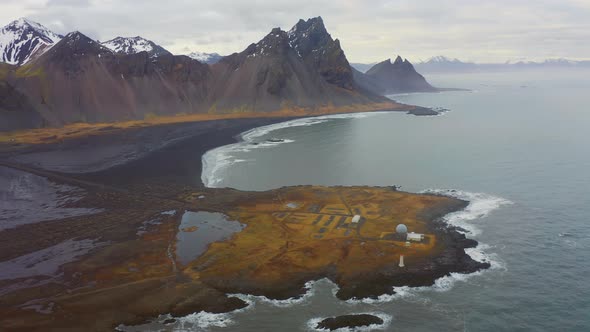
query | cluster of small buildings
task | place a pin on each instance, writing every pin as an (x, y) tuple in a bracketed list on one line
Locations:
[(402, 230)]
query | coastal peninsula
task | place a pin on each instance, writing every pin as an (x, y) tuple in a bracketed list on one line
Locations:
[(140, 251)]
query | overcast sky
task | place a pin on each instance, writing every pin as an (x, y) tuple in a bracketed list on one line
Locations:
[(369, 31)]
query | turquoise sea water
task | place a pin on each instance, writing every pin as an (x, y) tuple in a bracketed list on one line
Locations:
[(516, 146)]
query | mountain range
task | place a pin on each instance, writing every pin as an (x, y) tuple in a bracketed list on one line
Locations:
[(59, 80), (441, 64)]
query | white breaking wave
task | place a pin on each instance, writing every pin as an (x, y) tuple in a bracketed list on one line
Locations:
[(252, 299), (216, 161), (312, 323), (203, 320), (480, 206)]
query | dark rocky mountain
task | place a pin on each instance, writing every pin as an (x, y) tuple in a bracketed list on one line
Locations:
[(132, 45), (208, 58), (22, 40), (393, 77), (80, 80), (304, 67)]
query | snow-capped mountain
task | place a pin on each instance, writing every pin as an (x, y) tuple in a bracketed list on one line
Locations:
[(209, 58), (441, 59), (22, 40), (441, 64), (132, 45)]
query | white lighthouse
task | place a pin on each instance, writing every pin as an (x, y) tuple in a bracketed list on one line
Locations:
[(401, 261)]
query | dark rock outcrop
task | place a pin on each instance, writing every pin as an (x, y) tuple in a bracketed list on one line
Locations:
[(350, 321)]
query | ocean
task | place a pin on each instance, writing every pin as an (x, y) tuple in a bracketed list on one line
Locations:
[(516, 146)]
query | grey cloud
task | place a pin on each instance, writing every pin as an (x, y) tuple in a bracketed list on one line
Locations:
[(68, 3), (368, 30)]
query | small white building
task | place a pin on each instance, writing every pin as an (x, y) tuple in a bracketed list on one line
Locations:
[(356, 219), (416, 237)]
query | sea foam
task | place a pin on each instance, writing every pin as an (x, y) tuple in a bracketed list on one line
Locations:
[(480, 206), (203, 320)]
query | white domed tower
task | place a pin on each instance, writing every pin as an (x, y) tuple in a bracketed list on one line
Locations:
[(401, 229)]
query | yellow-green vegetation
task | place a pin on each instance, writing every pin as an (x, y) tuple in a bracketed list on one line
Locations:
[(150, 116), (303, 230), (29, 70)]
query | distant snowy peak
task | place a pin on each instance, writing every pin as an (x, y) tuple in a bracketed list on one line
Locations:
[(23, 40), (209, 58), (442, 59), (441, 64), (132, 45), (552, 62)]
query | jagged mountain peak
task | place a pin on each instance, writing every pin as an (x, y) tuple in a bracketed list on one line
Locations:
[(312, 42), (132, 45), (307, 36), (399, 76), (74, 45), (315, 24), (76, 39), (23, 22), (399, 62), (276, 42), (22, 40)]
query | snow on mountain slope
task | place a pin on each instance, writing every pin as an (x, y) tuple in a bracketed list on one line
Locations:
[(441, 59), (209, 58), (132, 45), (22, 40)]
